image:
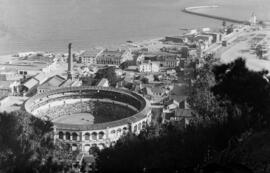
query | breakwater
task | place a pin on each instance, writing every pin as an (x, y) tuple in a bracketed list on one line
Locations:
[(190, 10)]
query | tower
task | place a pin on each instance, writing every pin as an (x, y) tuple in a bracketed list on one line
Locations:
[(253, 19), (70, 63)]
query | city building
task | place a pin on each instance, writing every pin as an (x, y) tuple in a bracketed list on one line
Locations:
[(89, 57), (176, 39), (182, 116), (149, 66), (9, 88), (10, 76), (29, 87), (51, 83), (166, 60), (113, 57), (206, 39), (216, 37)]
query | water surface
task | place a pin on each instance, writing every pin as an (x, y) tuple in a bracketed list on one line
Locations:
[(48, 25)]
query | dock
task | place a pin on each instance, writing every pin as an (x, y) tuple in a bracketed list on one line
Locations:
[(190, 10)]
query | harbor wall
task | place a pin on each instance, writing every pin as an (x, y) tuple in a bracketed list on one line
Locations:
[(190, 11)]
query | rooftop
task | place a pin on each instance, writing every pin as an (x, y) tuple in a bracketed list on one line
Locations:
[(5, 84), (90, 53), (53, 82), (112, 53)]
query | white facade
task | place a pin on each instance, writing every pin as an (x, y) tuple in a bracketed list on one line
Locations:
[(84, 140), (149, 67), (88, 60)]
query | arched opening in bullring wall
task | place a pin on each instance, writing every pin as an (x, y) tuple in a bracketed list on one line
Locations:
[(113, 133), (61, 135), (119, 131), (113, 143), (69, 148), (74, 147), (94, 136), (74, 136), (139, 126), (135, 128), (144, 124), (87, 147), (67, 136), (101, 135), (87, 136), (101, 146), (125, 130)]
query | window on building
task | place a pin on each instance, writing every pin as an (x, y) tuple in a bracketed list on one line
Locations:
[(100, 135), (74, 136), (135, 128), (94, 136), (61, 135), (67, 136)]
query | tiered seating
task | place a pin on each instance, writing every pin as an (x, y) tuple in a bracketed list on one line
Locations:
[(65, 109), (102, 111)]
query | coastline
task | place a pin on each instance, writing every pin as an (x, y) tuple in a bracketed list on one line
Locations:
[(151, 43), (141, 42), (147, 42)]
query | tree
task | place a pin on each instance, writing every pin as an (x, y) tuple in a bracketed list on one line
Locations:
[(259, 51), (88, 81), (145, 80), (249, 91), (233, 100), (108, 73), (24, 141), (201, 98)]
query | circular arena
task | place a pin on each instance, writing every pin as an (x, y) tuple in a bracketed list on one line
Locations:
[(85, 117)]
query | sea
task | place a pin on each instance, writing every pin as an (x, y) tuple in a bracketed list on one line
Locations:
[(49, 25)]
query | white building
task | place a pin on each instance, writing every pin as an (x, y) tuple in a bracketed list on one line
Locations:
[(113, 57), (103, 83), (89, 57), (149, 66)]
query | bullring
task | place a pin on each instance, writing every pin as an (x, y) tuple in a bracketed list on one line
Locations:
[(91, 116)]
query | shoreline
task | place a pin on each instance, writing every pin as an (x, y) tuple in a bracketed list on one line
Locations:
[(130, 45), (117, 45), (139, 44)]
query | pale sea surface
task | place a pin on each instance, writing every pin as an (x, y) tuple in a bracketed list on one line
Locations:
[(48, 25)]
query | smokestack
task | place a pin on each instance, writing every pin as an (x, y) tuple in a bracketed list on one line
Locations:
[(70, 62)]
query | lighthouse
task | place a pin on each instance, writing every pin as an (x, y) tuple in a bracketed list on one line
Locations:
[(253, 19)]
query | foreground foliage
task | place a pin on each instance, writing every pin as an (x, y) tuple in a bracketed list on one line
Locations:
[(233, 120)]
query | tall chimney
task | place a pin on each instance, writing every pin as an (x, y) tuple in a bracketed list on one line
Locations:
[(70, 63)]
